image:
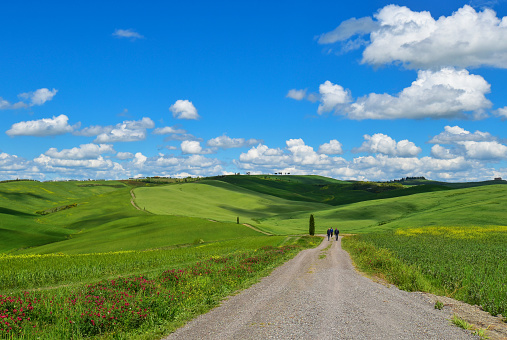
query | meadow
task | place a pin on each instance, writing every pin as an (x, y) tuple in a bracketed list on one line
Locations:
[(466, 263), (108, 270), (141, 294)]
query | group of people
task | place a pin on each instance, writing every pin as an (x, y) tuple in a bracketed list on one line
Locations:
[(330, 232)]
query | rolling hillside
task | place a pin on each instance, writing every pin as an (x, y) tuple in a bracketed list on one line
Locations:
[(100, 218), (216, 199), (79, 217)]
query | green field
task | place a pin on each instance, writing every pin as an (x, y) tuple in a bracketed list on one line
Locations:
[(82, 236), (223, 201), (466, 263)]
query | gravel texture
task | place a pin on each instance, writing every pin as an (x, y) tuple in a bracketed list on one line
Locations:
[(310, 297)]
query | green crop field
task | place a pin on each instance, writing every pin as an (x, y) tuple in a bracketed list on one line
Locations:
[(466, 263)]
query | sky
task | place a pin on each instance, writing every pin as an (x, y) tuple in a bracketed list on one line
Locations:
[(355, 90)]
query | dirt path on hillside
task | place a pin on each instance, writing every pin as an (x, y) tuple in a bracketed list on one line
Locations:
[(257, 229), (133, 198), (310, 297)]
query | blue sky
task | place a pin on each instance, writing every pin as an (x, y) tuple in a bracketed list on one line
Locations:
[(370, 90)]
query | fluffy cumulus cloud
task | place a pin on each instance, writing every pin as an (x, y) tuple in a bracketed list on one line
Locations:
[(466, 38), (297, 156), (439, 152), (171, 166), (184, 109), (484, 150), (383, 144), (332, 97), (39, 97), (28, 99), (49, 163), (456, 134), (447, 93), (191, 147), (334, 147), (128, 131), (84, 151), (501, 112), (42, 127), (474, 146), (226, 142), (128, 33)]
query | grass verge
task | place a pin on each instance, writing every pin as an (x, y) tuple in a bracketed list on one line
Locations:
[(140, 306), (465, 263)]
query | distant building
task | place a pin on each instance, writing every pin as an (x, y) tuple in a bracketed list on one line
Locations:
[(498, 179)]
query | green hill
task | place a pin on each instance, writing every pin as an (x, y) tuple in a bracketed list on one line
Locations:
[(325, 190), (218, 200), (80, 217), (93, 217)]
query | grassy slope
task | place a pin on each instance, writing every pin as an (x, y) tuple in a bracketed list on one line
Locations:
[(478, 206), (21, 227), (321, 189), (219, 201), (104, 220), (470, 206), (104, 216)]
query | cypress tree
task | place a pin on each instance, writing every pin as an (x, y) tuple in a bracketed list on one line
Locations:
[(312, 225)]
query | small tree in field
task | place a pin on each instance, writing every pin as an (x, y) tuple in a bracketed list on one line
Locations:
[(312, 225)]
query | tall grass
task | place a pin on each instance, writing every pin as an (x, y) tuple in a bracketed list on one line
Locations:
[(140, 305), (466, 263), (17, 272)]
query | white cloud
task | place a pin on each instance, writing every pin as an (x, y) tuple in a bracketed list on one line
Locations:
[(42, 127), (333, 97), (168, 130), (447, 93), (439, 152), (485, 150), (50, 163), (12, 163), (191, 147), (380, 143), (124, 155), (349, 28), (334, 147), (184, 109), (501, 112), (193, 165), (84, 151), (94, 130), (456, 134), (466, 38), (128, 33), (139, 159), (226, 142), (39, 97), (128, 131), (296, 94)]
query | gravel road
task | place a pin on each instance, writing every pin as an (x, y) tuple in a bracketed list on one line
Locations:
[(322, 298)]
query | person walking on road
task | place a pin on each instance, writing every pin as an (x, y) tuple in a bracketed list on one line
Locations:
[(331, 233), (336, 232), (328, 233)]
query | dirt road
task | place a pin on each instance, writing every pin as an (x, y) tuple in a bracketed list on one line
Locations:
[(311, 297)]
